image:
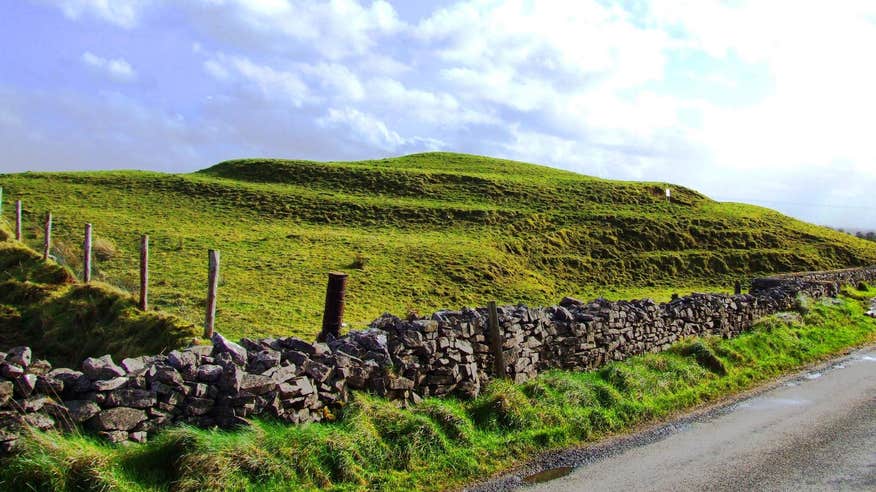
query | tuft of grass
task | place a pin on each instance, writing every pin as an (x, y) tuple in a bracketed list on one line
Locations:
[(104, 249), (458, 229)]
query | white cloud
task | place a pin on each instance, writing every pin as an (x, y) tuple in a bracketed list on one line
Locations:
[(374, 133), (122, 13), (116, 68), (271, 83), (334, 29)]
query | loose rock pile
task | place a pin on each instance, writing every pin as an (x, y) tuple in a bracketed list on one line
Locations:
[(225, 383)]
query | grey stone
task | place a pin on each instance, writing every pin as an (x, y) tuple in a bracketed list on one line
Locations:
[(11, 371), (182, 361), (257, 384), (134, 398), (115, 437), (109, 384), (82, 410), (20, 356), (119, 418), (209, 373), (319, 372), (101, 368), (39, 421), (25, 385), (139, 436), (134, 364), (221, 345)]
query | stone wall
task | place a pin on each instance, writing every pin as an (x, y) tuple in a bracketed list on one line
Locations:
[(225, 383)]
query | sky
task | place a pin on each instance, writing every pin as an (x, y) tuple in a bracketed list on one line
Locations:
[(769, 102)]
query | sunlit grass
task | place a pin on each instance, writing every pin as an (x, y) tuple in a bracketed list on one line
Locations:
[(436, 231)]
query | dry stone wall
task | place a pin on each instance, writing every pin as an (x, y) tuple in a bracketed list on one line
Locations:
[(224, 383)]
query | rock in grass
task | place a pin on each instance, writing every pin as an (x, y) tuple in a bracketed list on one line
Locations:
[(119, 418), (39, 421), (81, 410)]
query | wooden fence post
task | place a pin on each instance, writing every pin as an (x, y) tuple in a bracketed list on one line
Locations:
[(47, 240), (335, 300), (737, 288), (86, 255), (496, 341), (144, 272), (212, 285), (18, 220)]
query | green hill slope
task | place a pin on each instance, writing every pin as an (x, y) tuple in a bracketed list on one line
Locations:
[(42, 306), (419, 232)]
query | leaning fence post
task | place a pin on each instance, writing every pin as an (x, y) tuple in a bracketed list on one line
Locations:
[(333, 314), (47, 240), (144, 272), (86, 252), (496, 340), (18, 220), (212, 285)]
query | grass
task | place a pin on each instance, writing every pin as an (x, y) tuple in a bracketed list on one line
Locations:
[(441, 444), (416, 233), (42, 306)]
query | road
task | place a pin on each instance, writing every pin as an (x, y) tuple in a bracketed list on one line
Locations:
[(816, 431)]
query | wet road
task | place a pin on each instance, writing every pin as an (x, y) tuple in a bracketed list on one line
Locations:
[(815, 432)]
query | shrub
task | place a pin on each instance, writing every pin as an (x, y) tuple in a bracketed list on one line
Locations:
[(359, 262)]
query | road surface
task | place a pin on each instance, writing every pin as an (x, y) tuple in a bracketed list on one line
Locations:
[(814, 432)]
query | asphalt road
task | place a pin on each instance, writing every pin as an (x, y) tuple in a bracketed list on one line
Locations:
[(816, 431)]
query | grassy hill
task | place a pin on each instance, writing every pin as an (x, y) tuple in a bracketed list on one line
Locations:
[(418, 232)]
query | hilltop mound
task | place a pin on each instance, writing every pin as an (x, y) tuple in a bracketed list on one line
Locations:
[(419, 232), (41, 305)]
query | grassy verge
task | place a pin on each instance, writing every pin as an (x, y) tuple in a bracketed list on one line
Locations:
[(442, 444)]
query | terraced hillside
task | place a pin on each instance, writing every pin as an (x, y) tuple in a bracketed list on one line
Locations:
[(419, 232)]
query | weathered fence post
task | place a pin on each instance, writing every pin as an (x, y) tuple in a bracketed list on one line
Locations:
[(86, 255), (144, 272), (335, 300), (212, 285), (18, 220), (47, 240), (737, 288), (496, 341)]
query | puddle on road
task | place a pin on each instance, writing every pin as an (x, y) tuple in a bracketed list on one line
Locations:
[(813, 375), (869, 358), (548, 475), (772, 403)]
